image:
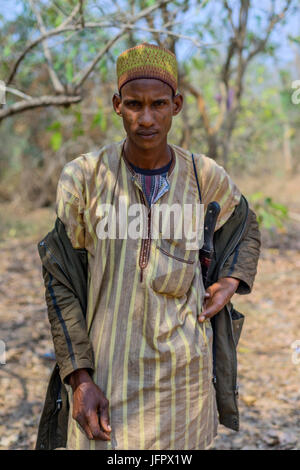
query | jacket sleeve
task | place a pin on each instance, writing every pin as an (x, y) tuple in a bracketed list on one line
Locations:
[(242, 263), (72, 346), (68, 326)]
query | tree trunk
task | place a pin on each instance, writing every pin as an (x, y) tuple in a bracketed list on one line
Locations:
[(213, 147)]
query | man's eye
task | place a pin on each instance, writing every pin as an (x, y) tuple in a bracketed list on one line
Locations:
[(159, 103), (133, 103)]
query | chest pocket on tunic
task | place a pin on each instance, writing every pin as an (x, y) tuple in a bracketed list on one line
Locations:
[(174, 268)]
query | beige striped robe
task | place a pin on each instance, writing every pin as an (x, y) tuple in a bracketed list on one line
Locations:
[(153, 359)]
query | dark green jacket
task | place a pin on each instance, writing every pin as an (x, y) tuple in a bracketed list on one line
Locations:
[(237, 247)]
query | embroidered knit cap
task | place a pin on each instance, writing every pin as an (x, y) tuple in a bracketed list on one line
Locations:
[(147, 61)]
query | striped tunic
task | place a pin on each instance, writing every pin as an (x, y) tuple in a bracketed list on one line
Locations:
[(153, 359)]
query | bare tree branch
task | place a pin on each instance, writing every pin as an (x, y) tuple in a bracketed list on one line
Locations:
[(230, 17), (238, 52), (273, 20), (156, 34), (81, 13), (65, 26), (70, 95), (59, 8), (225, 74), (71, 17), (82, 76), (58, 87), (176, 35), (222, 113), (65, 39), (43, 101), (149, 10), (201, 105), (19, 93), (60, 29)]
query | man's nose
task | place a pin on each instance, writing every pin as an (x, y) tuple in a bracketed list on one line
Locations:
[(146, 117)]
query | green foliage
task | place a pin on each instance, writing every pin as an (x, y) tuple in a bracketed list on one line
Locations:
[(56, 135), (149, 3), (103, 69), (55, 126), (6, 51), (295, 39), (100, 120), (56, 141), (69, 71), (270, 214)]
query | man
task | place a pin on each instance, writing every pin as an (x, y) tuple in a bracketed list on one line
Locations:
[(136, 352)]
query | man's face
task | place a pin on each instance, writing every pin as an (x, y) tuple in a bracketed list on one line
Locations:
[(147, 107)]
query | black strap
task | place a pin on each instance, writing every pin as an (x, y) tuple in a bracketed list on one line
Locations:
[(213, 318), (195, 171)]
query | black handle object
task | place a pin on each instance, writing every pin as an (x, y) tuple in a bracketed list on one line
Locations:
[(207, 250)]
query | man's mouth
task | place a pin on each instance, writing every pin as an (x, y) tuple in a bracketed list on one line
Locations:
[(147, 134)]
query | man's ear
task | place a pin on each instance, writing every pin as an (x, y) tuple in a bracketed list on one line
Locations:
[(177, 104), (117, 100)]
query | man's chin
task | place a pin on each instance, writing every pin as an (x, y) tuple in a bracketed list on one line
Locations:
[(148, 142)]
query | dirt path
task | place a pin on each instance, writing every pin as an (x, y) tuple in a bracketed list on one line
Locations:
[(269, 381)]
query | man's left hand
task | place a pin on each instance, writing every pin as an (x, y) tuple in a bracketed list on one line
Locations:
[(217, 295)]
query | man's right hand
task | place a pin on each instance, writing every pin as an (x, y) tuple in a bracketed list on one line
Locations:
[(90, 406)]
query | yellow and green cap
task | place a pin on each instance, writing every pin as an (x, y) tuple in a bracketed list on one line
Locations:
[(147, 61)]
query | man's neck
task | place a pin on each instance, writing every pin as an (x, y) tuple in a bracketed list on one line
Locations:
[(147, 158)]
